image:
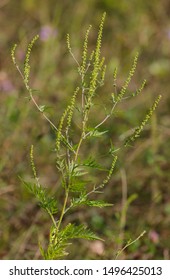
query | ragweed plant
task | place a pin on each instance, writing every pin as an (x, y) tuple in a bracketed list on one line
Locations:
[(70, 164)]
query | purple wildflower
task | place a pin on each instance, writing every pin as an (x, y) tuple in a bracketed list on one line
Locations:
[(46, 32), (5, 84), (154, 236)]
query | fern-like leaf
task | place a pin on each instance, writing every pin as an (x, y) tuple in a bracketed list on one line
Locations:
[(97, 203), (72, 231), (45, 202)]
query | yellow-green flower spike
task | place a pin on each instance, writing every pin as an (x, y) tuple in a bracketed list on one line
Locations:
[(140, 128), (84, 56), (27, 59)]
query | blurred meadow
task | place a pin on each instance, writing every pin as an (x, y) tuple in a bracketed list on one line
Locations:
[(140, 185)]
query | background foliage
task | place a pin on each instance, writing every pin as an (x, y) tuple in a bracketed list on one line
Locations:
[(140, 188)]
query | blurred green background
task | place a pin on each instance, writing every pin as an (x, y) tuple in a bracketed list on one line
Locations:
[(142, 171)]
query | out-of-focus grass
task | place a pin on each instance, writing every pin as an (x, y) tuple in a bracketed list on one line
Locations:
[(130, 26)]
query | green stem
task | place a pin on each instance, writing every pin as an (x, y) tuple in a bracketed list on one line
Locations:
[(83, 136), (52, 218), (78, 148), (63, 210)]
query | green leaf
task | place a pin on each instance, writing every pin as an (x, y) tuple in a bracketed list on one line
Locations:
[(76, 170), (96, 133), (113, 149), (45, 202), (72, 231), (79, 172), (61, 165), (44, 108), (77, 185), (82, 200), (57, 245), (59, 240), (97, 203), (76, 201), (91, 162)]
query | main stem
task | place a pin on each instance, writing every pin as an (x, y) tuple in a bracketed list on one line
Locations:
[(63, 210)]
